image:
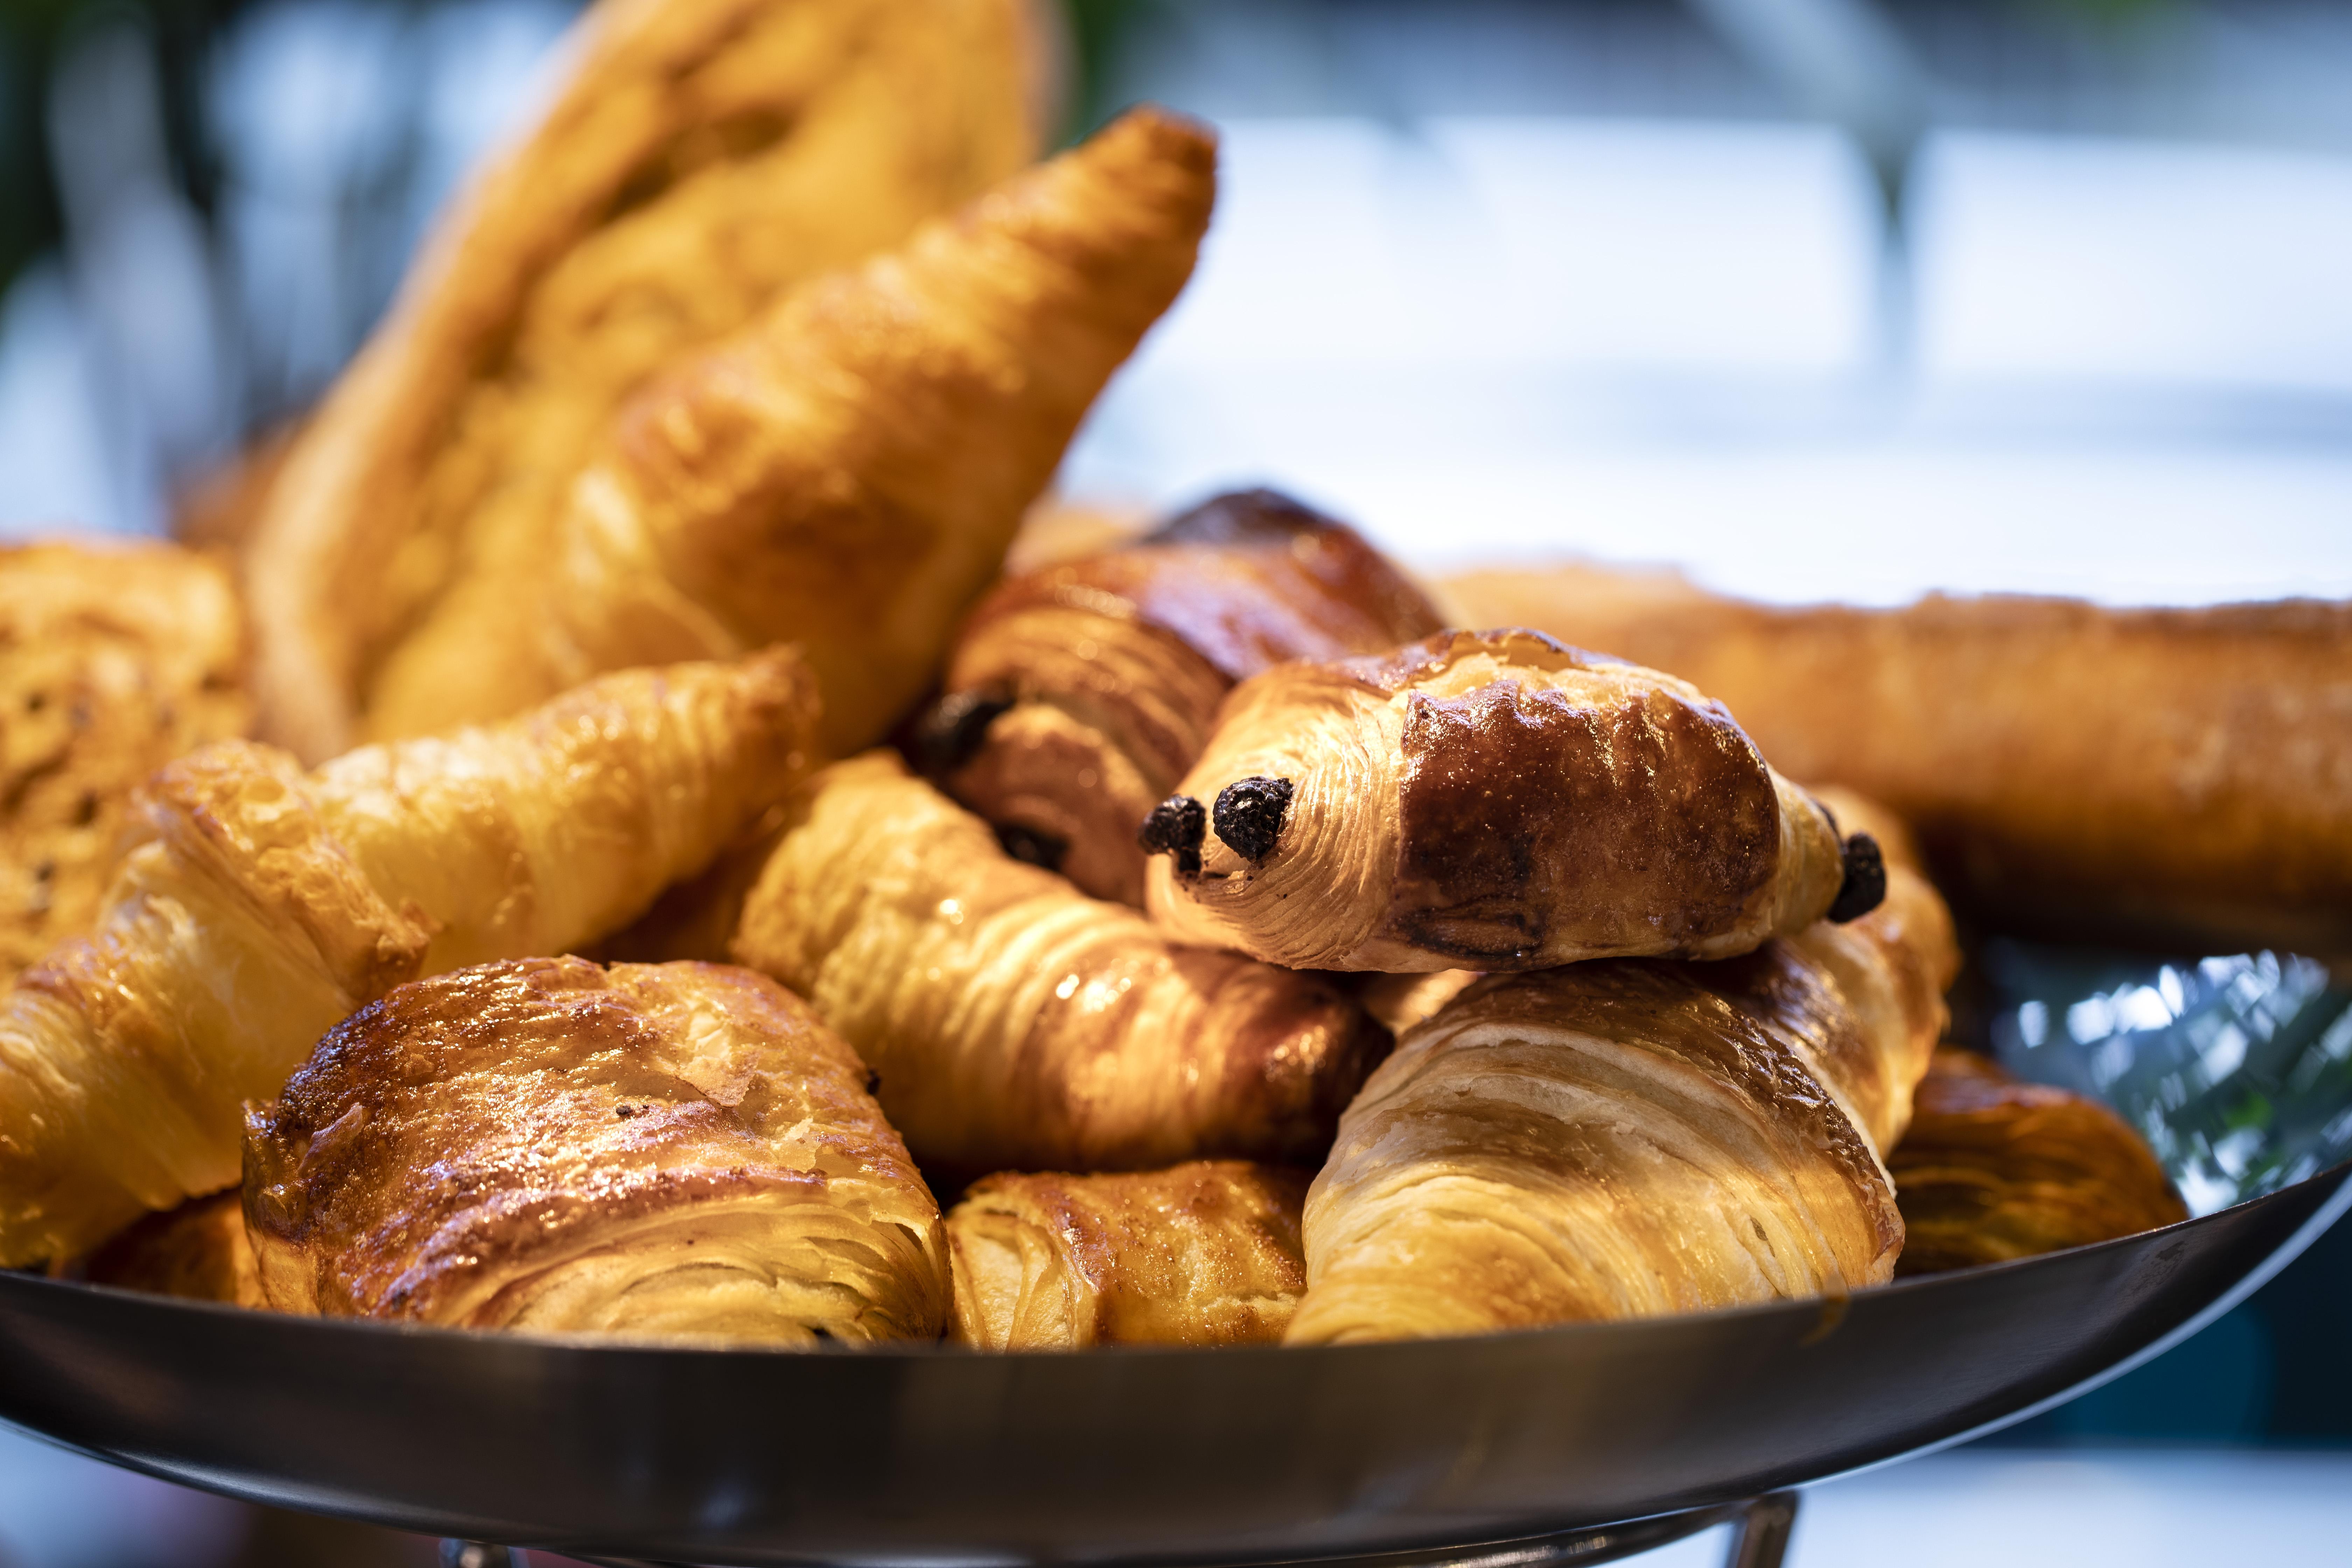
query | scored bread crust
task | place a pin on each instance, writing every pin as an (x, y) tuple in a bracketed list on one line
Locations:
[(1496, 801), (666, 1149), (700, 156), (1205, 1253)]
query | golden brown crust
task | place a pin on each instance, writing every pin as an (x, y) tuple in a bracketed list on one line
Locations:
[(197, 1251), (2173, 774), (541, 1144), (846, 470), (702, 156), (1017, 1024), (1205, 1253), (267, 903), (1992, 1169), (1496, 801), (1113, 666), (114, 660)]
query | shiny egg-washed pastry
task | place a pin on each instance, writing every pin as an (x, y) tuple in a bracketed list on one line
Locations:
[(1631, 1137), (846, 472), (1204, 1253), (1019, 1024), (115, 659), (267, 903), (2165, 777), (1077, 695), (677, 1149), (1490, 801), (699, 157), (197, 1252), (1993, 1168)]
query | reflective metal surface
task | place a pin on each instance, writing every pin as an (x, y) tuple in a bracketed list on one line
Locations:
[(928, 1455)]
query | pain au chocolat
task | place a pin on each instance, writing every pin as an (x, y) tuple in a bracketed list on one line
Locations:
[(267, 903), (1019, 1024), (542, 1143), (1633, 1137), (1078, 694), (1490, 801), (1205, 1253)]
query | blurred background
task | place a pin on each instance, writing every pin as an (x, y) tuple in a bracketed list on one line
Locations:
[(1849, 299)]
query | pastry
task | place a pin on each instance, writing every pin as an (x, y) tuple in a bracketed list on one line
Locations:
[(701, 157), (113, 660), (1993, 1168), (542, 1143), (846, 470), (1019, 1024), (1078, 694), (197, 1252), (267, 903), (1628, 1138), (1204, 1253), (1489, 801), (2161, 777)]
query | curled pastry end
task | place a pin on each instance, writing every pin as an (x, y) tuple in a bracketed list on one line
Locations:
[(949, 734), (1176, 826), (1866, 880), (1250, 814)]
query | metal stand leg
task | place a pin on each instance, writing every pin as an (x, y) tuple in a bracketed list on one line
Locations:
[(477, 1555), (1763, 1537)]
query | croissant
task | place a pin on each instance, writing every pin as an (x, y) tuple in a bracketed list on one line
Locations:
[(1490, 801), (197, 1252), (1204, 1253), (846, 472), (540, 1143), (701, 157), (1017, 1024), (113, 660), (2175, 778), (1630, 1137), (1078, 694), (269, 903), (1992, 1169)]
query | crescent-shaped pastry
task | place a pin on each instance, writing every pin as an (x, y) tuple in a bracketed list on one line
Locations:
[(1629, 1138), (700, 158), (846, 472), (1489, 801), (1019, 1024), (678, 1149), (114, 660), (1204, 1253), (1078, 694), (1993, 1168), (197, 1252), (2166, 778), (267, 903)]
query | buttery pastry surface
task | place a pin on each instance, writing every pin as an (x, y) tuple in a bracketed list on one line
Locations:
[(1993, 1168), (1491, 801), (1205, 1253), (1628, 1138), (846, 470), (701, 156), (197, 1252), (2156, 776), (1097, 680), (114, 660), (1017, 1024), (267, 903), (542, 1143)]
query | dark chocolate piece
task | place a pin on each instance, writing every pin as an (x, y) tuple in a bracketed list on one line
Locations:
[(1250, 814), (947, 737), (1177, 826), (1864, 886)]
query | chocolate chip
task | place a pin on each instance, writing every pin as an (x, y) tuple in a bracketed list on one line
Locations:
[(950, 734), (873, 1081), (1177, 826), (1865, 887), (1249, 815), (624, 1111), (1028, 845)]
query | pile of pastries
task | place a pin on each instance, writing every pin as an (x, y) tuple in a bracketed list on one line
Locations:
[(603, 843)]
